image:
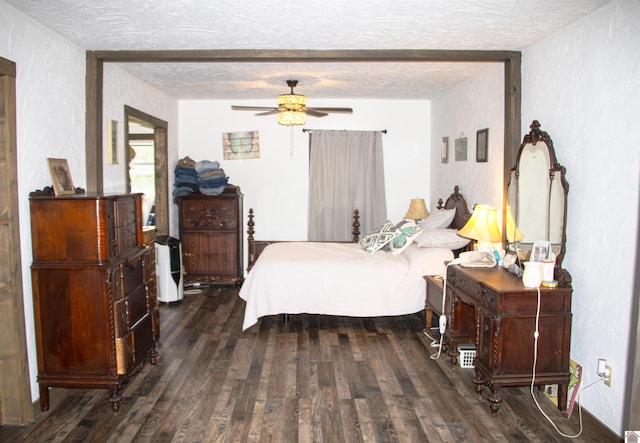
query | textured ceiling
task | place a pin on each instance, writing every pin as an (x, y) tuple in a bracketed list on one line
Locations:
[(299, 24)]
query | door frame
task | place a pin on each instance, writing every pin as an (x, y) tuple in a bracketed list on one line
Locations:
[(160, 142), (16, 406)]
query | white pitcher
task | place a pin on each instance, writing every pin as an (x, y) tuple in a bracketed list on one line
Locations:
[(532, 275)]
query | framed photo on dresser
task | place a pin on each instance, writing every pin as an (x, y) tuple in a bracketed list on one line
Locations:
[(60, 176)]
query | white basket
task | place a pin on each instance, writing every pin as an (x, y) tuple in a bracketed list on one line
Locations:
[(466, 358)]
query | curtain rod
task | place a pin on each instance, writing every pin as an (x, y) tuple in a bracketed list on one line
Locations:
[(384, 131)]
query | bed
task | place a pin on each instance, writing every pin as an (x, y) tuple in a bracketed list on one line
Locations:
[(344, 279)]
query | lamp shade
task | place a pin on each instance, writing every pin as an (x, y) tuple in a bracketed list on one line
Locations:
[(482, 225), (292, 109), (417, 210), (513, 233)]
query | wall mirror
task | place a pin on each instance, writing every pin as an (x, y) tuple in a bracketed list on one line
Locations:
[(537, 201)]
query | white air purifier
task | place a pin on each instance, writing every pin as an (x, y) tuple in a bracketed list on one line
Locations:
[(169, 269)]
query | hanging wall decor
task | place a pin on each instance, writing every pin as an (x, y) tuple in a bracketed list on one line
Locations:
[(112, 142), (240, 145), (444, 154), (482, 145), (461, 148)]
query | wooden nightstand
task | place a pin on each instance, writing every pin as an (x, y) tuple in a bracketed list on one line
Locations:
[(460, 325), (433, 301)]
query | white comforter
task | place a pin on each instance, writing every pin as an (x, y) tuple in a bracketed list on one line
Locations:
[(338, 279)]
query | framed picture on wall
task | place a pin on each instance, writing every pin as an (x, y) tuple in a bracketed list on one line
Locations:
[(461, 148), (482, 145), (112, 141), (444, 154)]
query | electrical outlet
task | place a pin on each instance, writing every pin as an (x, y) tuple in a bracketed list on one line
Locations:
[(608, 374)]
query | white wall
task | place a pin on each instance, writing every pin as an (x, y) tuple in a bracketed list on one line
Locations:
[(583, 85), (50, 104), (475, 104), (275, 185)]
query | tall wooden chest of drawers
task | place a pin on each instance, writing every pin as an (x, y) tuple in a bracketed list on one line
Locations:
[(92, 301), (211, 237)]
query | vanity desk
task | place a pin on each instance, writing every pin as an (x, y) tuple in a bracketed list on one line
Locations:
[(505, 321)]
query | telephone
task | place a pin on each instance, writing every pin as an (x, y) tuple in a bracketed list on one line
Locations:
[(477, 259)]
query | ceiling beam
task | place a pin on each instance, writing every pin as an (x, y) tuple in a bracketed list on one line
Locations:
[(303, 55)]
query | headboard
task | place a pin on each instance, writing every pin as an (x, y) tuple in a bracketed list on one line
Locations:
[(457, 201)]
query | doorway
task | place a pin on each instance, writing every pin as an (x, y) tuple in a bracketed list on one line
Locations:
[(145, 139)]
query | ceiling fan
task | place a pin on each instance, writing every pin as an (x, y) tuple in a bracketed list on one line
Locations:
[(292, 108)]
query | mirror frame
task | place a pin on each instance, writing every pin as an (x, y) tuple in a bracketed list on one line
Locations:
[(535, 136)]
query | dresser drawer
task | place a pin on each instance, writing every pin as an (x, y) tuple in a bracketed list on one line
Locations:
[(489, 300), (126, 238), (124, 354), (207, 214), (210, 253), (125, 212), (121, 319), (116, 283), (463, 283), (132, 273)]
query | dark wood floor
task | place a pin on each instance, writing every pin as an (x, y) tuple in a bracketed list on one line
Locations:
[(317, 378)]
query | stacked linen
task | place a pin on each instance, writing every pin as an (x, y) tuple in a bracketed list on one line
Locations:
[(186, 177), (211, 177)]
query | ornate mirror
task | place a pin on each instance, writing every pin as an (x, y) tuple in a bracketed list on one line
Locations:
[(537, 202)]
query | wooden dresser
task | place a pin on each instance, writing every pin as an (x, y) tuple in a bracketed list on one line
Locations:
[(211, 237), (505, 322), (92, 297)]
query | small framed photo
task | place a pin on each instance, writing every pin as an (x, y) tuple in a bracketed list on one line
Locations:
[(482, 145), (510, 258), (61, 177), (444, 154)]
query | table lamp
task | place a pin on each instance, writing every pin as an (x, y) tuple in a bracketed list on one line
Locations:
[(482, 227), (513, 233), (417, 210)]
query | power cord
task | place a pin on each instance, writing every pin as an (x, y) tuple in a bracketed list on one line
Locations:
[(442, 320), (536, 334)]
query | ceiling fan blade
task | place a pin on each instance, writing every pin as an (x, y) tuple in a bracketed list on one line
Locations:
[(335, 110), (252, 108), (271, 112), (315, 113)]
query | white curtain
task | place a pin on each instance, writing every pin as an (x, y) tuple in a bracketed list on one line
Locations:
[(346, 172)]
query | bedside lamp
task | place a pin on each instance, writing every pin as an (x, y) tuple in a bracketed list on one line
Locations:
[(417, 210), (482, 227)]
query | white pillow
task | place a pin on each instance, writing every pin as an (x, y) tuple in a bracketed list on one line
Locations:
[(438, 219), (441, 238)]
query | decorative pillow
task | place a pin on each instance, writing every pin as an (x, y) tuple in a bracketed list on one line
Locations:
[(441, 238), (376, 240), (438, 219), (408, 232)]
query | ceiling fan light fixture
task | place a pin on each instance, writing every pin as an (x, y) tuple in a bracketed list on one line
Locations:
[(292, 102), (292, 118)]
